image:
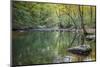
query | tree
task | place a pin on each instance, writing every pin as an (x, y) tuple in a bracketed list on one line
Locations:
[(81, 19)]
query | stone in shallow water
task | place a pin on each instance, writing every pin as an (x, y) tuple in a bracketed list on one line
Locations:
[(57, 59), (68, 59), (63, 59), (80, 50)]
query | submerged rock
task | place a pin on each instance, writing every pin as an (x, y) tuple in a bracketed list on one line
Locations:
[(63, 59), (80, 50), (57, 59), (68, 59)]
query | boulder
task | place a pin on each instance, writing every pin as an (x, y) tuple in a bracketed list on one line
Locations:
[(83, 50)]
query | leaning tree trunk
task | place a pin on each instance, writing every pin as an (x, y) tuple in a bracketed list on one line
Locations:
[(91, 14), (81, 19), (82, 25)]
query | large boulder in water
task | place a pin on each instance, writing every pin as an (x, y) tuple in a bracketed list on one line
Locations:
[(83, 50)]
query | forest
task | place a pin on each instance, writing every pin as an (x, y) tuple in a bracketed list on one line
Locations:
[(46, 33), (28, 15)]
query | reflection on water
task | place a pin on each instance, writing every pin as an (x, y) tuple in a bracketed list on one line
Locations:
[(47, 47)]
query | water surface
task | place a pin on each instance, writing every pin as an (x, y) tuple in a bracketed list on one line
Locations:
[(47, 47)]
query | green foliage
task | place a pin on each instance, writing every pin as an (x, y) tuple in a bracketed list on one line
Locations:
[(21, 17), (46, 15)]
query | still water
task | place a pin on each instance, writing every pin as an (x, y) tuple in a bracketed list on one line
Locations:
[(47, 47)]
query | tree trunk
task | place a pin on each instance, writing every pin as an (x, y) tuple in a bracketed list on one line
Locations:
[(82, 21), (91, 14)]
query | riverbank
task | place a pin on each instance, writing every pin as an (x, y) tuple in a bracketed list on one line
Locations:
[(89, 30)]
